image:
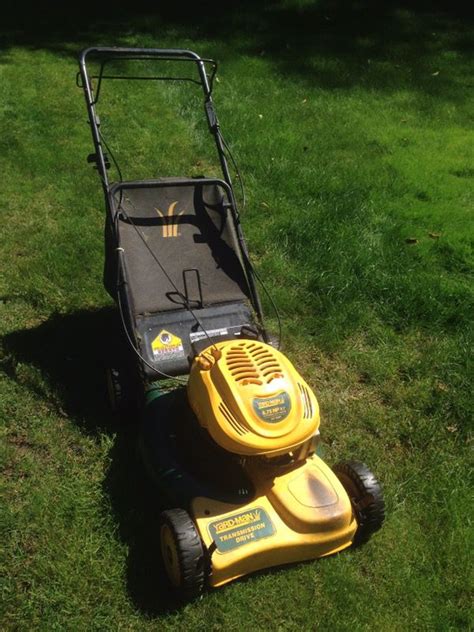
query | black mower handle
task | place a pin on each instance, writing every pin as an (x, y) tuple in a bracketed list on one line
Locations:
[(120, 51), (169, 54), (105, 53)]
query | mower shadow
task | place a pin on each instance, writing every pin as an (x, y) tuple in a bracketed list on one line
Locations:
[(71, 352), (137, 505)]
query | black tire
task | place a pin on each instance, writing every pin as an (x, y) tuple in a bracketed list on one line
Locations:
[(366, 496), (183, 553), (123, 394)]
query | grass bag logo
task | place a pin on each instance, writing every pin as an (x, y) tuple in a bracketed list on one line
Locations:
[(170, 221), (242, 528)]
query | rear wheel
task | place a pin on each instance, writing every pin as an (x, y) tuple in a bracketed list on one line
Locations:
[(365, 493), (123, 393), (183, 553), (115, 389)]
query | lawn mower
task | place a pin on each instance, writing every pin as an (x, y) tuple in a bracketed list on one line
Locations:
[(232, 445)]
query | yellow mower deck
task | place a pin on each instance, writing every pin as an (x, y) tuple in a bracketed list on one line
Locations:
[(302, 514)]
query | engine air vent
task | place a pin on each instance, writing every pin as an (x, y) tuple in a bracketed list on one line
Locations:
[(307, 406), (233, 422), (251, 363)]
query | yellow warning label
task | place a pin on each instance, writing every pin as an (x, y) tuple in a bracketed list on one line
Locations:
[(166, 344)]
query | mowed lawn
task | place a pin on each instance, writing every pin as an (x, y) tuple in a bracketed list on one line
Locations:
[(353, 130)]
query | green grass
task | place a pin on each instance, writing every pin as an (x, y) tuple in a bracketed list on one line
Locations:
[(353, 131)]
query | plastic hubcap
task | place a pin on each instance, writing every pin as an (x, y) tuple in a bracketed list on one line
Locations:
[(170, 555)]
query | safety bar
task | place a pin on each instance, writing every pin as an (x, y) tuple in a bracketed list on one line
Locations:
[(135, 54), (153, 52)]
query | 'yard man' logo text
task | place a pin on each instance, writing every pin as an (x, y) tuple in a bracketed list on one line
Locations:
[(170, 221), (238, 521)]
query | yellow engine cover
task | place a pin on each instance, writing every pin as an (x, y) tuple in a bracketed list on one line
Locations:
[(251, 399)]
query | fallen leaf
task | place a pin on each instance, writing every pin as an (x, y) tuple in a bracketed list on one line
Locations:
[(441, 386), (452, 428), (434, 235), (264, 204)]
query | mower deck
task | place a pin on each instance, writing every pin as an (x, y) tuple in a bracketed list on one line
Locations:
[(302, 514)]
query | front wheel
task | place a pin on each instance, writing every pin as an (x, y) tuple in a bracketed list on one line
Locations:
[(183, 553), (365, 493)]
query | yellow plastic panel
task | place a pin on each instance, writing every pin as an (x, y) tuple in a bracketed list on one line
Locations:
[(251, 399), (246, 538)]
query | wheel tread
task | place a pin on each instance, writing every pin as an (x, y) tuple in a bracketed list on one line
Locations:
[(360, 483), (190, 551)]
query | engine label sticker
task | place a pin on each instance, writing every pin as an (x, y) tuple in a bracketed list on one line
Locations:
[(240, 529), (273, 409), (232, 330), (166, 345), (199, 335)]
